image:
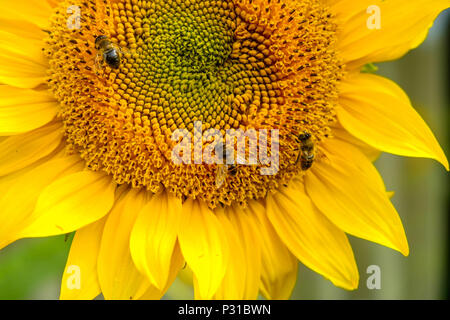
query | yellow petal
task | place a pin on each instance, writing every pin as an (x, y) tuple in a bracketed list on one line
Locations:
[(248, 234), (404, 25), (311, 237), (25, 48), (177, 263), (154, 236), (340, 133), (24, 110), (22, 61), (21, 73), (35, 11), (377, 111), (20, 195), (22, 28), (204, 246), (17, 152), (9, 179), (80, 279), (347, 188), (53, 3), (70, 203), (119, 278), (233, 285), (279, 266)]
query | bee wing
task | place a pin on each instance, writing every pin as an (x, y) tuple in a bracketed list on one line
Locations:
[(221, 174)]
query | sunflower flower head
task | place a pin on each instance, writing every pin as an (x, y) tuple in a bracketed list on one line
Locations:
[(243, 65), (90, 113)]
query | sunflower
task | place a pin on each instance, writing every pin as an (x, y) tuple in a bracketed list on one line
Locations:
[(93, 90)]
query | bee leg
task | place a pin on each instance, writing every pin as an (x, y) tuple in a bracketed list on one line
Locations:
[(98, 63), (120, 50)]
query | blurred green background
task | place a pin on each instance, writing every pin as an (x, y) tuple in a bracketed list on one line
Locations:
[(32, 268)]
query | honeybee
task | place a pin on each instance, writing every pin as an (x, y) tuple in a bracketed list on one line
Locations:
[(306, 153), (107, 52), (223, 170)]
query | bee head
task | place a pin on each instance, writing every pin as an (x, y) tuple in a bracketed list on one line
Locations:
[(304, 136), (98, 40)]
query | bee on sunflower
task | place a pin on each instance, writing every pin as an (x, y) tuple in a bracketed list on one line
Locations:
[(88, 115)]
